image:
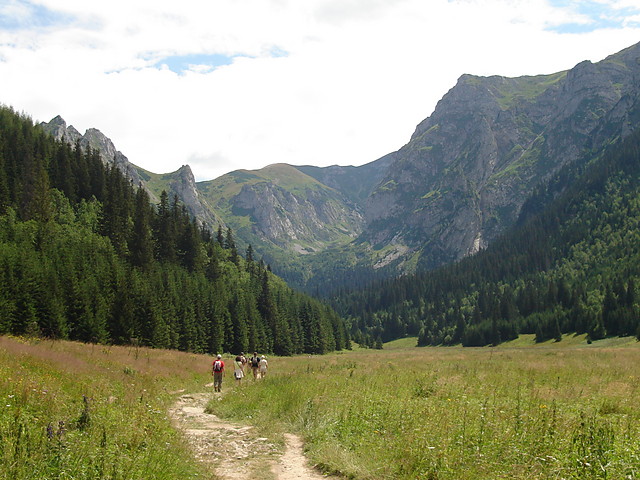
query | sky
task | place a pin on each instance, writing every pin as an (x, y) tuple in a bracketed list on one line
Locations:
[(223, 85)]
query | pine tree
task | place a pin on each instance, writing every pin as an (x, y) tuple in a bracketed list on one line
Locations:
[(165, 231), (141, 242)]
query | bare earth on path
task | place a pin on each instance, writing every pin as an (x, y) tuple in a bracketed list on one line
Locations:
[(235, 451)]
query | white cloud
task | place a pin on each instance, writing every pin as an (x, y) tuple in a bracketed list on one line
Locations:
[(315, 82)]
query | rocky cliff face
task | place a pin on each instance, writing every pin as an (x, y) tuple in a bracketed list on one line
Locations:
[(463, 176), (183, 184)]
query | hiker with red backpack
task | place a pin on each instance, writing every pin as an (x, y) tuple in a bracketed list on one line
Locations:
[(218, 372)]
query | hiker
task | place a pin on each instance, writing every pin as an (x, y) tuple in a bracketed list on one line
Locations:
[(218, 372), (238, 369), (255, 364), (263, 366), (244, 361)]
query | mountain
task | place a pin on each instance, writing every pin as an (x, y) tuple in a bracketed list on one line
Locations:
[(460, 181), (462, 178), (571, 266)]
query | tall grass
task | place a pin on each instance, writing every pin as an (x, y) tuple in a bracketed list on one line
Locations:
[(453, 413), (73, 411)]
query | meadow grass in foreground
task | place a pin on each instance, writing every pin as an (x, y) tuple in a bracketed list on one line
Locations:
[(457, 413), (76, 411)]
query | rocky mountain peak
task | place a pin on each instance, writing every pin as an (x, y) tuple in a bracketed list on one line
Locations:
[(58, 129), (186, 175), (95, 139)]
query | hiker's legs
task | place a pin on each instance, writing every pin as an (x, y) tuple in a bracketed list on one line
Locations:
[(217, 381)]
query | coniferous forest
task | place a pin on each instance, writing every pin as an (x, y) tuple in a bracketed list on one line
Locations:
[(570, 266), (84, 255)]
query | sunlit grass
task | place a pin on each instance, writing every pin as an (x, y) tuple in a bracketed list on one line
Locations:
[(74, 411), (562, 410), (457, 413)]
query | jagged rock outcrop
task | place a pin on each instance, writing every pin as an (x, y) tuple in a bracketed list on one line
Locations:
[(183, 184), (95, 139), (463, 176)]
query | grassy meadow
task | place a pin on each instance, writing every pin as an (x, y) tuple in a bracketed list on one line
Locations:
[(563, 410)]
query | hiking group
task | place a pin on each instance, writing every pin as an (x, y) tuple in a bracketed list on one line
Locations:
[(259, 366)]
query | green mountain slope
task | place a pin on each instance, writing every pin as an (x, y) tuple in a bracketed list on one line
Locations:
[(283, 213), (572, 266)]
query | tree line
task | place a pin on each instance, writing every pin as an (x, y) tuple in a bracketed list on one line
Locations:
[(85, 255), (571, 265)]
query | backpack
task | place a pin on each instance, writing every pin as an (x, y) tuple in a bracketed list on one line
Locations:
[(255, 361), (217, 366)]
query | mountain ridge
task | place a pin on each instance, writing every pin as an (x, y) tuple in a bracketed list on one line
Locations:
[(458, 183)]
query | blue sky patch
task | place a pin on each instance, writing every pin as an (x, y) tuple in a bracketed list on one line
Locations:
[(182, 63), (598, 16), (206, 62), (21, 15)]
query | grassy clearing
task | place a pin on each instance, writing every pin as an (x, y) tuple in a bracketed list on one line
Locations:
[(534, 412), (74, 411), (564, 410)]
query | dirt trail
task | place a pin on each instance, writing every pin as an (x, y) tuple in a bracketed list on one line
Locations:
[(234, 451)]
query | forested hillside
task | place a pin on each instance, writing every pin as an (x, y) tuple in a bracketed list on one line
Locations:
[(572, 265), (85, 256)]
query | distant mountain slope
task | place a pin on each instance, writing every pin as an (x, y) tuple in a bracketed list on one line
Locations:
[(572, 266), (356, 183), (281, 206)]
